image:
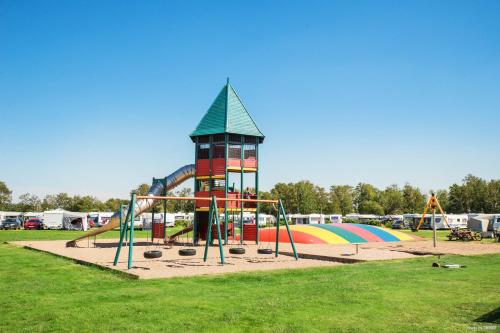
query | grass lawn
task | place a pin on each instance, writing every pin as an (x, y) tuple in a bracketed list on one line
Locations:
[(41, 292), (442, 235), (20, 235)]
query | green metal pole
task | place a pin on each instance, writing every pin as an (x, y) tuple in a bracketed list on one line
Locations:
[(131, 240), (257, 209), (196, 189), (165, 211), (209, 231), (242, 204), (277, 231), (288, 230), (122, 235), (121, 218), (226, 155), (152, 222), (219, 238)]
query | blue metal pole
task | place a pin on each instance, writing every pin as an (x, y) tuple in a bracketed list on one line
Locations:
[(277, 232)]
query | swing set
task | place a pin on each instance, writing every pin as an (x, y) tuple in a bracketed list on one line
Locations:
[(127, 226)]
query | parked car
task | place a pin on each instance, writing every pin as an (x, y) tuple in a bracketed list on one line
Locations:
[(11, 223), (91, 223), (400, 224), (33, 224)]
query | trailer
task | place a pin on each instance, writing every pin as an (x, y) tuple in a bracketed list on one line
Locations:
[(100, 218), (307, 218), (454, 221), (63, 219)]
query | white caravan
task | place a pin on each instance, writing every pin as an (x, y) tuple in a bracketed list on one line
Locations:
[(63, 219)]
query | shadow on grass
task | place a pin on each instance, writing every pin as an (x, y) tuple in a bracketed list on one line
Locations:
[(490, 317)]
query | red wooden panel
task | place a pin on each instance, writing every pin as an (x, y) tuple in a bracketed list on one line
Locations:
[(203, 167), (158, 230), (218, 166), (234, 162), (250, 163), (249, 232)]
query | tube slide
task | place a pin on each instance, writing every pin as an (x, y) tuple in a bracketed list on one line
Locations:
[(173, 180)]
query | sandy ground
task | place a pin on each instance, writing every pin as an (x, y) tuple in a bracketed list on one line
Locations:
[(173, 265)]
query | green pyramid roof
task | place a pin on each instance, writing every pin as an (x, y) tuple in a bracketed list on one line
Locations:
[(227, 115)]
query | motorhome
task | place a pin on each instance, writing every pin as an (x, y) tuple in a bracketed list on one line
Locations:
[(484, 222), (307, 218), (454, 221), (146, 219), (362, 217), (335, 218), (100, 218), (13, 215)]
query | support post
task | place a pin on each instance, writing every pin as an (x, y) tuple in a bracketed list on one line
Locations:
[(226, 156), (131, 238), (257, 208), (242, 204), (277, 232), (217, 225), (434, 226), (209, 231), (165, 212), (290, 237), (123, 232), (196, 189)]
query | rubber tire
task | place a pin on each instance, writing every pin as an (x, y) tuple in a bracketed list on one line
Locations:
[(264, 251), (187, 252), (237, 250), (152, 254)]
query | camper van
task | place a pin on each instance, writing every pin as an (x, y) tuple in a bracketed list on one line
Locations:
[(100, 218), (307, 218), (454, 221), (335, 218), (146, 219)]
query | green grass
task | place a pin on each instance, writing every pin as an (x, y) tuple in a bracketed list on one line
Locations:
[(21, 235), (441, 235), (40, 292)]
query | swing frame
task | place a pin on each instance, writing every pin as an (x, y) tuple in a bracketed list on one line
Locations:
[(127, 225)]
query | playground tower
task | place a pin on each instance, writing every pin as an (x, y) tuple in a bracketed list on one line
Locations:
[(226, 143)]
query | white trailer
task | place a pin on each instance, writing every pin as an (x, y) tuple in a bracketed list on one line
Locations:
[(335, 218), (146, 219), (454, 220), (307, 218), (63, 219), (100, 218)]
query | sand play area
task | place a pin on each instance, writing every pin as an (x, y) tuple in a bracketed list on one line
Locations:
[(171, 264)]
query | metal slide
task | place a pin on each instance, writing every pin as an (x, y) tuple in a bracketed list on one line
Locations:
[(173, 180)]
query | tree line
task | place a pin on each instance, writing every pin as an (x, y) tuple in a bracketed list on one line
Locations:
[(474, 194)]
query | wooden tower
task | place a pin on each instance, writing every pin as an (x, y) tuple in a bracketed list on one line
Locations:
[(226, 142)]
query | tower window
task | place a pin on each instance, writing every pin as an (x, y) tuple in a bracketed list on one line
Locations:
[(203, 151)]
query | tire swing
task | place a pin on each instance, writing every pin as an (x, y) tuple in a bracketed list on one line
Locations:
[(236, 249), (152, 254), (188, 251), (267, 250)]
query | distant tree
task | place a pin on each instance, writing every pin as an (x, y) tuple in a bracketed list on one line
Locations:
[(184, 206), (414, 200), (370, 207), (341, 199), (493, 196), (113, 204), (49, 202), (366, 199), (442, 196), (457, 201), (5, 197), (29, 202), (142, 189), (392, 200)]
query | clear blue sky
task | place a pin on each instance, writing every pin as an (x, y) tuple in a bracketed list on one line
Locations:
[(99, 96)]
